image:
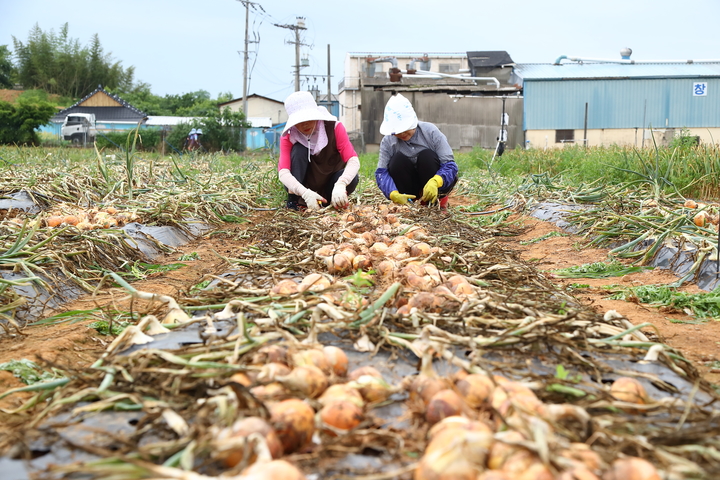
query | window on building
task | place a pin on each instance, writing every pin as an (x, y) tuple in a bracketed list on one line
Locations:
[(564, 136), (448, 68)]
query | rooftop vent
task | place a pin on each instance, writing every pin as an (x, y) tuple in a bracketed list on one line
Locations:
[(625, 53)]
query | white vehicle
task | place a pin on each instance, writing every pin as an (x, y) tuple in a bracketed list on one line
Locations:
[(79, 128)]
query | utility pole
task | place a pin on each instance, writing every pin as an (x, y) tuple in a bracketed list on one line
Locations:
[(300, 25), (329, 98), (245, 60), (247, 4)]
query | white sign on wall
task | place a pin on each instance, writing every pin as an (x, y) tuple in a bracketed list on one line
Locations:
[(700, 89)]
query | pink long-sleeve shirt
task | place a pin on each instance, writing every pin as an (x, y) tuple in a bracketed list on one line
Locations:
[(342, 141)]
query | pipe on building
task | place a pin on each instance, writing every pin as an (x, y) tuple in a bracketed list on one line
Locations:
[(628, 61), (392, 60), (461, 77)]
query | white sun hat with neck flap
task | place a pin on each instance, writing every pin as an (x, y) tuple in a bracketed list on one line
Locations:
[(399, 116), (301, 107)]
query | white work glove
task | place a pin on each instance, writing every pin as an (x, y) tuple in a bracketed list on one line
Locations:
[(311, 199), (339, 196)]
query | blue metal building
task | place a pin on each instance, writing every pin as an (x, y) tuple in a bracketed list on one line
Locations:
[(605, 102)]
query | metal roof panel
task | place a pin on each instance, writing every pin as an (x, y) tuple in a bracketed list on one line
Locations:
[(573, 71)]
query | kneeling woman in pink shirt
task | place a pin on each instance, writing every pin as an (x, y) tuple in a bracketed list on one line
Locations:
[(318, 164)]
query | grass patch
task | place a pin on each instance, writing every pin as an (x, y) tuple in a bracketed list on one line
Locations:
[(700, 305), (598, 270)]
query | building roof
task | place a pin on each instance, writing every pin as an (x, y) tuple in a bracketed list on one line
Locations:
[(116, 110), (588, 70), (489, 59), (254, 95)]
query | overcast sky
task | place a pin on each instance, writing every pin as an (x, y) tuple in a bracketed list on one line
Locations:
[(180, 46)]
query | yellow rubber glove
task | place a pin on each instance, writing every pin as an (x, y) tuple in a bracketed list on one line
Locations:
[(430, 191), (400, 198)]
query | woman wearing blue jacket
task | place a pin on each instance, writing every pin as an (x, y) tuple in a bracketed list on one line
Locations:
[(415, 157)]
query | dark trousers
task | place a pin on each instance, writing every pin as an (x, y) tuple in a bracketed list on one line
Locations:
[(410, 178), (298, 167)]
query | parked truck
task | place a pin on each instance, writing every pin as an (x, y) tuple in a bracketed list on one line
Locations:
[(79, 128)]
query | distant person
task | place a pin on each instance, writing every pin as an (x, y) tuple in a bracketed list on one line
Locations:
[(191, 140), (318, 164), (415, 159)]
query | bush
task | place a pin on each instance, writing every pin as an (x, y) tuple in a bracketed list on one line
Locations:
[(19, 122)]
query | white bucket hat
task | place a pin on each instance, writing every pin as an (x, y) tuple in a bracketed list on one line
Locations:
[(301, 107), (399, 116)]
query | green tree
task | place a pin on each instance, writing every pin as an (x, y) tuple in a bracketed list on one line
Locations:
[(224, 131), (6, 67), (59, 65), (18, 123)]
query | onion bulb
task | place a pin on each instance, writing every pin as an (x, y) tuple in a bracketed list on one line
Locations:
[(337, 360), (338, 264), (701, 219), (420, 249), (373, 389), (578, 472), (454, 454), (445, 403), (458, 422), (314, 282), (628, 389), (422, 283), (272, 370), (269, 393), (476, 389), (362, 262), (270, 353), (534, 471), (505, 446), (325, 251), (312, 356), (53, 220), (582, 455), (274, 470), (294, 423), (494, 475), (631, 468), (690, 204), (285, 287), (341, 392), (341, 416), (241, 378), (386, 268), (309, 380), (426, 383), (242, 429), (378, 248), (364, 370)]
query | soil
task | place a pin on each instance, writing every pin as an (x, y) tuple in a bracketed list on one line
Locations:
[(73, 345)]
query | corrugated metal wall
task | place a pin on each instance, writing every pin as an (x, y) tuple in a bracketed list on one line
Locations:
[(627, 103), (466, 121)]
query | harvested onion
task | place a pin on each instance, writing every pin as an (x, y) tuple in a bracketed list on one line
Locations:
[(314, 282), (426, 383), (337, 360), (632, 468), (307, 379), (242, 429), (628, 389), (445, 403), (285, 287), (313, 356), (341, 392), (476, 389), (294, 423), (274, 470), (341, 416)]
